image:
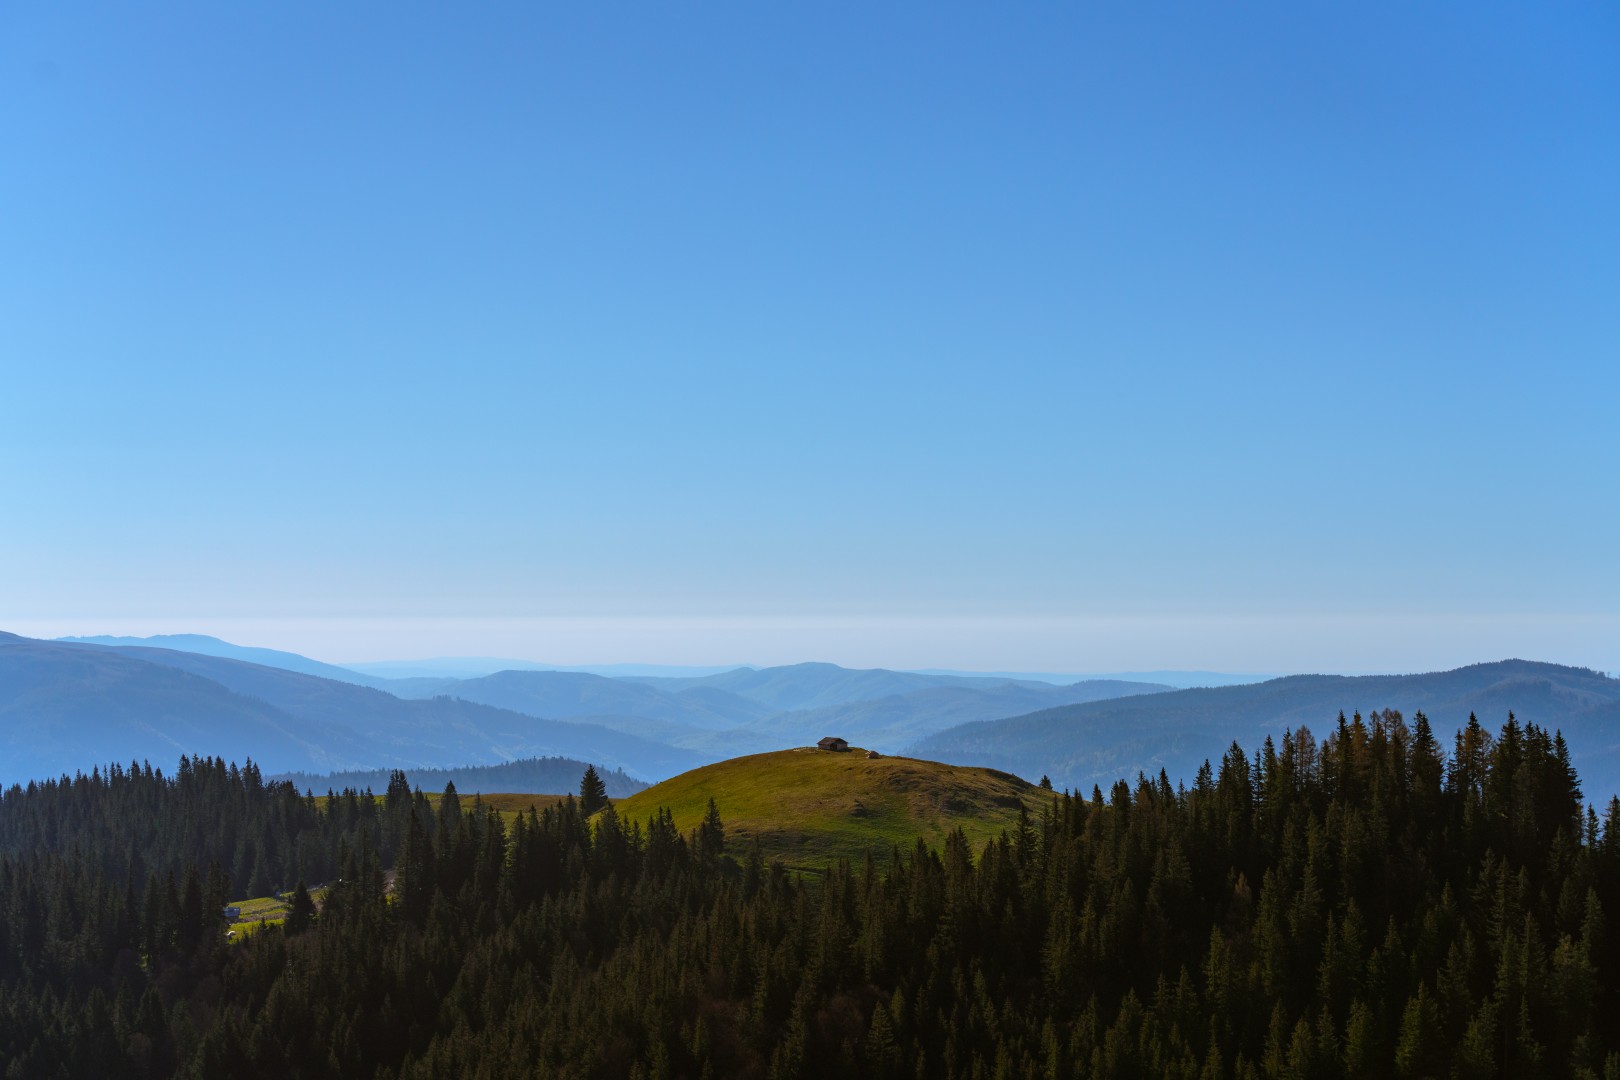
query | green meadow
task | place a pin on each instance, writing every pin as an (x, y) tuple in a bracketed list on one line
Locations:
[(809, 808)]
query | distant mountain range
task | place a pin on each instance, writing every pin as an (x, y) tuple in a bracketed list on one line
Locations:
[(892, 724), (1098, 742), (1168, 677), (577, 695), (471, 667), (753, 711), (812, 686), (418, 675), (204, 645), (68, 705)]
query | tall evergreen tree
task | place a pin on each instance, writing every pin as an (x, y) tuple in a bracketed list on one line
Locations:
[(592, 792)]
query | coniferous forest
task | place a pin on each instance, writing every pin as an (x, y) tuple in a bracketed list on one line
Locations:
[(1371, 903)]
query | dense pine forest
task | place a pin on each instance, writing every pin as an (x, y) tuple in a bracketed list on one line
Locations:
[(535, 775), (1367, 904)]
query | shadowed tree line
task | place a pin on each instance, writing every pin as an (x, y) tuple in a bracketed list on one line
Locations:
[(1364, 905)]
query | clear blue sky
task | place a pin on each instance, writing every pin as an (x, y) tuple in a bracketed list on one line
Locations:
[(1086, 337)]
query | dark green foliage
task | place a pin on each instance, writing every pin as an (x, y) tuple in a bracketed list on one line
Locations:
[(1360, 906), (534, 776), (302, 910), (711, 835), (592, 792)]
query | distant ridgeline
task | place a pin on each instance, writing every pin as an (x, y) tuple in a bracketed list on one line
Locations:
[(528, 776), (1364, 904)]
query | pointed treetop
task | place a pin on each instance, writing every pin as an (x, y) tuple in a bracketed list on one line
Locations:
[(592, 792)]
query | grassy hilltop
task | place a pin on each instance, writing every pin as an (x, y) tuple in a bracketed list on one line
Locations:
[(808, 807)]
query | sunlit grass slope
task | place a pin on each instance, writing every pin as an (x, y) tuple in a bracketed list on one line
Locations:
[(808, 807)]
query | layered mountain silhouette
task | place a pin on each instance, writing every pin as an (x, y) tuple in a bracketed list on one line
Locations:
[(811, 686), (69, 705), (205, 645), (892, 724), (577, 695), (753, 711), (66, 707)]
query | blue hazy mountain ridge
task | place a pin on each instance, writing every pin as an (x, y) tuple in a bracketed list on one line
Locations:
[(204, 645), (697, 714), (890, 724), (568, 694), (740, 712), (472, 667), (653, 731), (451, 668), (66, 707), (444, 667), (450, 730), (813, 685), (1174, 679), (1099, 742), (421, 686)]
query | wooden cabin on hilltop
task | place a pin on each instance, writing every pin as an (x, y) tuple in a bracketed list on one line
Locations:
[(832, 742)]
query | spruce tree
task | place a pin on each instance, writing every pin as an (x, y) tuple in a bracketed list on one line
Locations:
[(303, 910), (592, 792), (711, 834)]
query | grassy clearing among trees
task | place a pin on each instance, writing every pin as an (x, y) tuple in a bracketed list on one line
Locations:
[(808, 807)]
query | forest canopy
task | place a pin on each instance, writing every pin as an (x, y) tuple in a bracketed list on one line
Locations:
[(1370, 903)]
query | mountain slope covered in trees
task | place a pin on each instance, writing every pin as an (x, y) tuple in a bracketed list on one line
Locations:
[(1379, 902), (1082, 745)]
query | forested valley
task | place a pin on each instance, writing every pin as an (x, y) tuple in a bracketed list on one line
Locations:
[(1371, 903)]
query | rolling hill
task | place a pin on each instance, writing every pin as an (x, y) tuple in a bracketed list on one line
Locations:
[(1099, 742), (810, 807)]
